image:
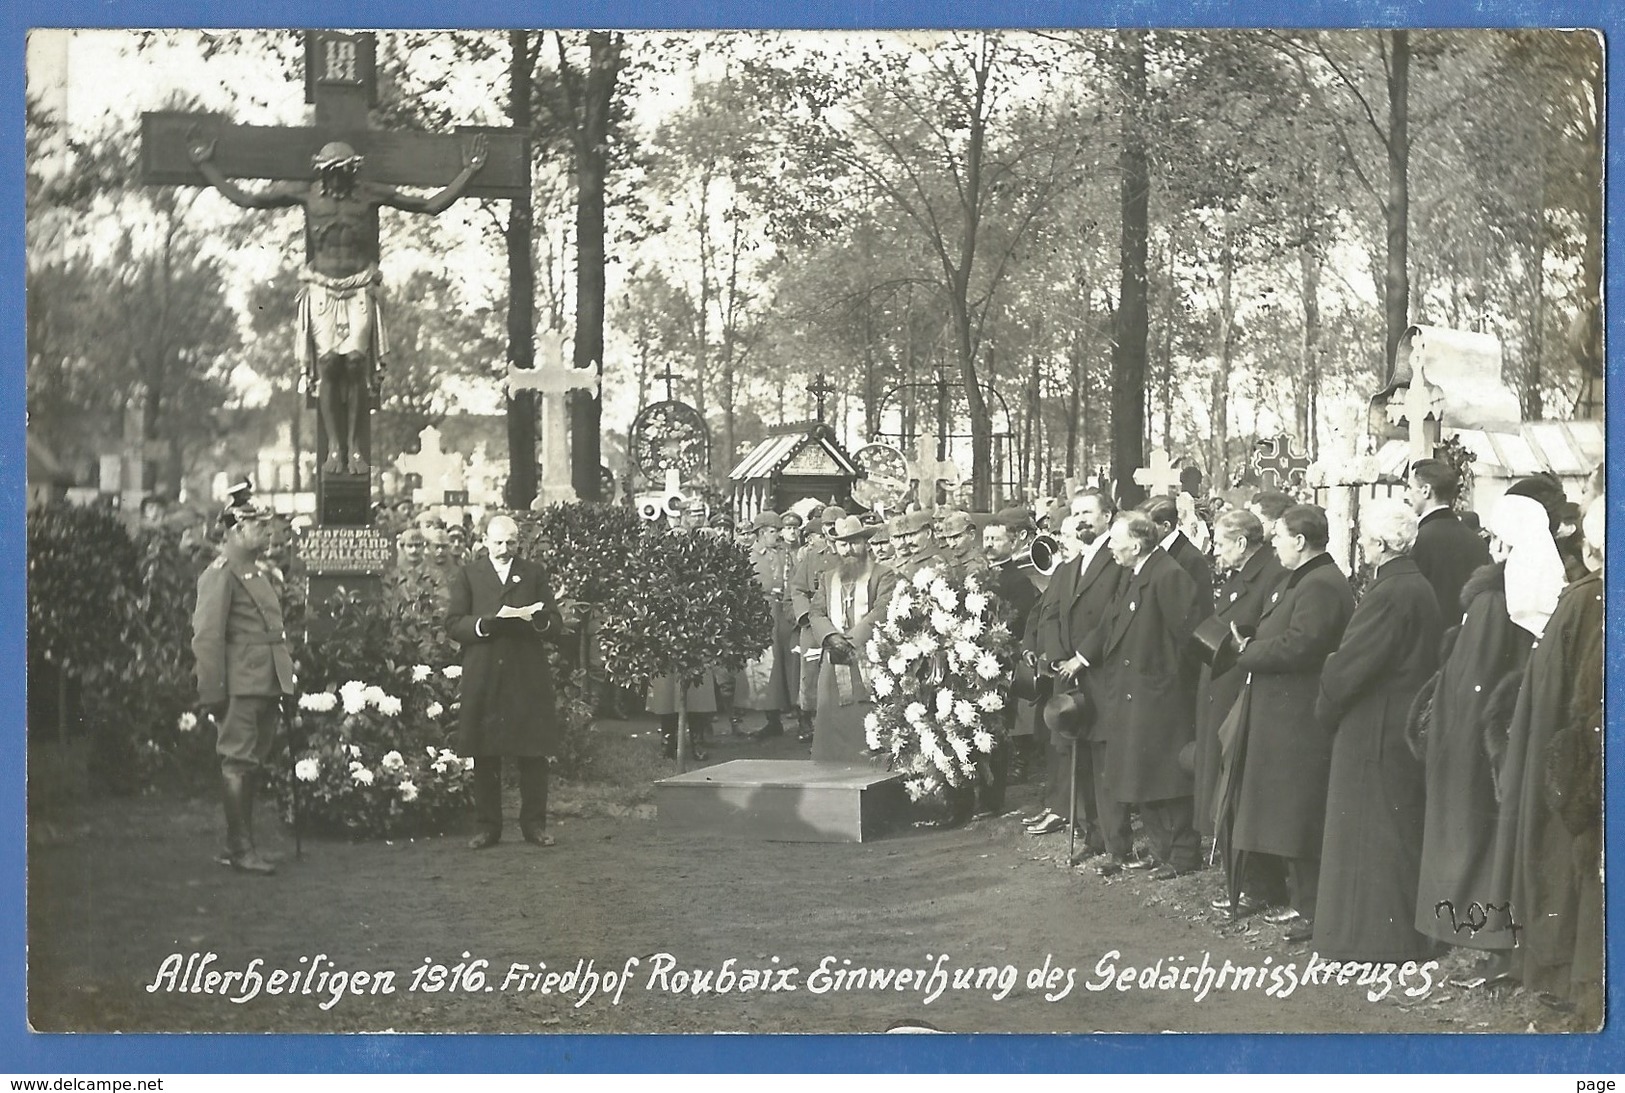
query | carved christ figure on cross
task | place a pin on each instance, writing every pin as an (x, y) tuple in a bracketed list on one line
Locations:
[(341, 337)]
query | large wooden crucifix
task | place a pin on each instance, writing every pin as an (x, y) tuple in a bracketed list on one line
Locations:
[(340, 172)]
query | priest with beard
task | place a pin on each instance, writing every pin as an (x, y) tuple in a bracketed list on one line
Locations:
[(850, 599)]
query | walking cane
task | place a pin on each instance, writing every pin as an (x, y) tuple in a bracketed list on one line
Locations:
[(291, 720), (1072, 809)]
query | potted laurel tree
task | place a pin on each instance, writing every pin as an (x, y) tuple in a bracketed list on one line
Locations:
[(586, 548), (940, 666), (687, 604)]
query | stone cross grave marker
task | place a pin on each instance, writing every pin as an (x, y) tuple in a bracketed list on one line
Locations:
[(443, 475), (930, 471), (554, 380), (1159, 475)]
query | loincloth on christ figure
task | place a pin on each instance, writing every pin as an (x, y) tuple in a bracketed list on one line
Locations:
[(345, 316)]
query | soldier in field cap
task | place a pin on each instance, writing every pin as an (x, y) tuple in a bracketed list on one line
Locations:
[(244, 669), (817, 558)]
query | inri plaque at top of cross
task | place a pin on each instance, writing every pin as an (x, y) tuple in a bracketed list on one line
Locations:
[(341, 340)]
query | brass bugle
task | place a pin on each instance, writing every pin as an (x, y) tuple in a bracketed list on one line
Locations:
[(1040, 560)]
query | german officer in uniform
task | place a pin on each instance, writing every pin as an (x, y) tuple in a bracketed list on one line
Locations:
[(244, 669)]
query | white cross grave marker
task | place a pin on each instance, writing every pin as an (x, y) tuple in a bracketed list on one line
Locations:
[(554, 380), (438, 470), (926, 469), (1159, 476)]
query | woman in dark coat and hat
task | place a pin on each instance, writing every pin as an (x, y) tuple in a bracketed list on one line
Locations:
[(1372, 854), (1505, 605)]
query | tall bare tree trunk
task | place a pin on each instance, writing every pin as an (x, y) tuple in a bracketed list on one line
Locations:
[(520, 490), (1129, 343), (1396, 283)]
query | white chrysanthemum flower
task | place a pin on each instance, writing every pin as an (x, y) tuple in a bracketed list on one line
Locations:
[(970, 629), (882, 684), (389, 706), (922, 580), (941, 621), (987, 666), (452, 671), (374, 694), (975, 603), (901, 605), (392, 762), (943, 594), (965, 652), (915, 788), (871, 651), (914, 713), (944, 761), (991, 701), (972, 584), (468, 763), (927, 644), (354, 750), (983, 740), (897, 744), (307, 770), (430, 749), (961, 747), (434, 710), (187, 722), (965, 713), (409, 791), (320, 702), (354, 696), (908, 651), (945, 704), (361, 774), (897, 666), (421, 672)]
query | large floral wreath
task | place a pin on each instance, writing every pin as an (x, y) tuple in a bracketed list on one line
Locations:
[(939, 666)]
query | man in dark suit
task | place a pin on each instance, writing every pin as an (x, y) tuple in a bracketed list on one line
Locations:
[(501, 612), (1447, 551), (1075, 604), (1143, 652), (244, 669), (1164, 512)]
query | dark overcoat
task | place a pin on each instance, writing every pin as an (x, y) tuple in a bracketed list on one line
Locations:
[(1239, 598), (1141, 656), (1281, 803), (1372, 853), (1196, 563), (507, 690), (1546, 851), (1458, 833), (1447, 552)]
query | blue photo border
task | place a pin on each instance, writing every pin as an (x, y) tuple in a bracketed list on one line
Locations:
[(24, 1052)]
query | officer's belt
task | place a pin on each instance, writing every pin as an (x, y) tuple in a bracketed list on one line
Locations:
[(264, 637)]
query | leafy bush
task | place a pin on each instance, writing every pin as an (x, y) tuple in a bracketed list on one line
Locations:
[(686, 603)]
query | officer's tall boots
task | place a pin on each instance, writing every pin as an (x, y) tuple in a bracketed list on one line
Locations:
[(237, 796)]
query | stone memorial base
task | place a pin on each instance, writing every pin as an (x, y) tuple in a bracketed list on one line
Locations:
[(784, 800)]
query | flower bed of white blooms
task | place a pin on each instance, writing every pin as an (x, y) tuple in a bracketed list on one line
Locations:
[(939, 667), (369, 763)]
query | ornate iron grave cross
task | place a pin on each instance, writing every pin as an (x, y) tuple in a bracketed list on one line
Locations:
[(1278, 466), (820, 389)]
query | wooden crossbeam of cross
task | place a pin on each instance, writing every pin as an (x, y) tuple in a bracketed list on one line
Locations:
[(341, 83)]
